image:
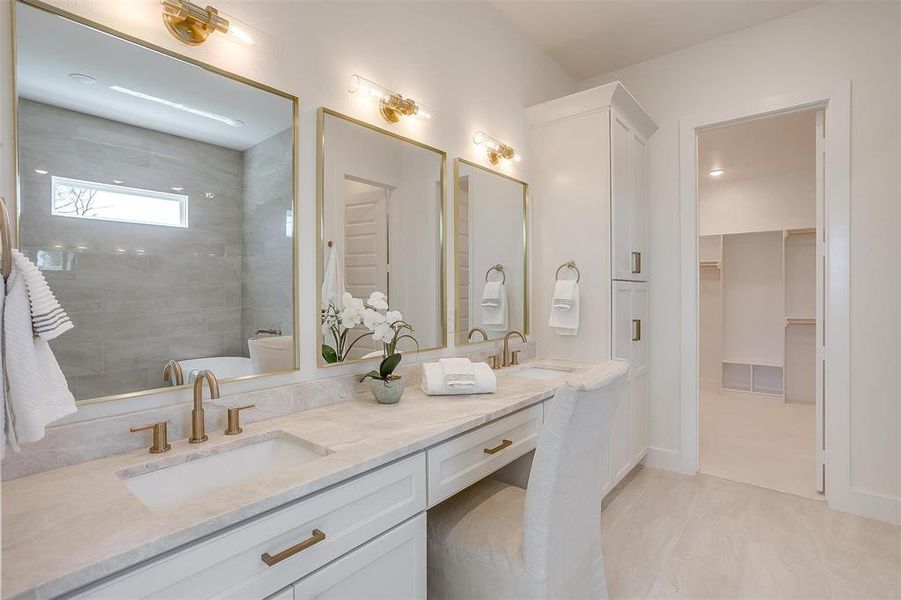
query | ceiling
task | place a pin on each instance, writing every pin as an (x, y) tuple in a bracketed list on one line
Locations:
[(589, 38), (49, 48), (758, 149)]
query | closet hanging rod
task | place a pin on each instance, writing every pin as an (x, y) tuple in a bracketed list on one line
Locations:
[(6, 259)]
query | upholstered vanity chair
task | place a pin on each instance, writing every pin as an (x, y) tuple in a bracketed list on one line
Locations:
[(495, 541)]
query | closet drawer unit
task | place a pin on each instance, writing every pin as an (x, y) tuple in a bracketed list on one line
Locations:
[(262, 556), (460, 462)]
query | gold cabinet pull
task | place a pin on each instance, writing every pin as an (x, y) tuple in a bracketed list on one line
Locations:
[(498, 448), (636, 330), (314, 539), (636, 262)]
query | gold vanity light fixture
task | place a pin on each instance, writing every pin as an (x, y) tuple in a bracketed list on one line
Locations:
[(192, 24), (392, 105), (495, 149)]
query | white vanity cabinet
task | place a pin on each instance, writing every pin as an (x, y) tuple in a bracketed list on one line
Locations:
[(629, 441), (233, 564)]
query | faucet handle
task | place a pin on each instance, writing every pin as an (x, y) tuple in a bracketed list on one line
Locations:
[(160, 436), (495, 362), (234, 419), (514, 360)]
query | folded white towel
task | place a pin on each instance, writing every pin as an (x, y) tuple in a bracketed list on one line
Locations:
[(564, 292), (491, 293), (48, 318), (565, 320), (433, 384), (458, 372), (495, 316), (37, 393), (3, 403)]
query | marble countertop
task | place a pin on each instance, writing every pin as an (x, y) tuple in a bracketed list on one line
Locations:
[(68, 527)]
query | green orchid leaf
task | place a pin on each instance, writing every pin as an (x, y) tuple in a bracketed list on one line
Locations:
[(389, 364), (373, 374), (329, 354)]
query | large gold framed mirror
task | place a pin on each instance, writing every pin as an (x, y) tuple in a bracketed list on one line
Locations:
[(381, 236), (157, 196), (491, 256)]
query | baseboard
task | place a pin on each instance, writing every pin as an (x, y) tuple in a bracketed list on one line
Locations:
[(661, 458), (866, 504)]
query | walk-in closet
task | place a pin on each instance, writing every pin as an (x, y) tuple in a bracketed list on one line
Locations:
[(758, 302)]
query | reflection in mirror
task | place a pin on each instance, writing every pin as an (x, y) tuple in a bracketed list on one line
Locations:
[(491, 213), (381, 209), (157, 198)]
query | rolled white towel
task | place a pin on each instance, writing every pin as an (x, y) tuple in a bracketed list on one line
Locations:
[(432, 383), (565, 321), (458, 372)]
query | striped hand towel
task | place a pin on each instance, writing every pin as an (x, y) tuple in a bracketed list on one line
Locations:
[(48, 319)]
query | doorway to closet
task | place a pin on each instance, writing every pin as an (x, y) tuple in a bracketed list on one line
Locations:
[(760, 288)]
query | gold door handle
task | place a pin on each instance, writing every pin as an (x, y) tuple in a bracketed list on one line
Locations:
[(498, 448), (314, 539), (160, 436), (636, 330), (636, 262), (234, 419)]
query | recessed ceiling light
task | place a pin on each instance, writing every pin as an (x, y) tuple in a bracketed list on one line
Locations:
[(210, 195), (82, 78), (118, 181), (176, 189), (179, 106), (717, 173), (41, 171)]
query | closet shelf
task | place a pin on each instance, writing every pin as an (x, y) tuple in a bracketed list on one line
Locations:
[(710, 263)]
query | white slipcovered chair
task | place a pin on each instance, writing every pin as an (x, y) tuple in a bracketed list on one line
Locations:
[(494, 541)]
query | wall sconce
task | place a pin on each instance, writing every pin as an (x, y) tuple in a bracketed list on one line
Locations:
[(391, 104), (495, 149), (191, 24)]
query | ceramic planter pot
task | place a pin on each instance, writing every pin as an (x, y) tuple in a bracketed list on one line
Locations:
[(387, 392)]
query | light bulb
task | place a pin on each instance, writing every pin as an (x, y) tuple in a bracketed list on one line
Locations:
[(717, 173), (367, 88)]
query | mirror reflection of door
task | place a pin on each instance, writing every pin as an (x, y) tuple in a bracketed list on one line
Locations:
[(366, 268), (464, 281)]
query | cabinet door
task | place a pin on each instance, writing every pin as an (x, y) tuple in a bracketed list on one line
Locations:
[(390, 567), (639, 208), (640, 418), (620, 198)]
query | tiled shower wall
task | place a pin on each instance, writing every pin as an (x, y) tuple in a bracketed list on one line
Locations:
[(138, 294), (266, 297)]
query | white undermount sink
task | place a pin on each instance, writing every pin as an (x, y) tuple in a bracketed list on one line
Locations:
[(542, 372), (165, 484)]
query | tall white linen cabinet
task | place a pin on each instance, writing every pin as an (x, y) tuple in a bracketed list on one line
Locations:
[(590, 206)]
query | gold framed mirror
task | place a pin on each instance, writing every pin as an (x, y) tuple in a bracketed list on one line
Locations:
[(157, 196), (491, 221), (380, 210)]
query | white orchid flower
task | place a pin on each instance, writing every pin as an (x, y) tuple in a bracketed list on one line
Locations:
[(378, 301), (383, 333), (393, 316), (352, 313), (372, 319)]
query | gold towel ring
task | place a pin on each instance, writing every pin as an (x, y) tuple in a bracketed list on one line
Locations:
[(500, 269), (570, 264)]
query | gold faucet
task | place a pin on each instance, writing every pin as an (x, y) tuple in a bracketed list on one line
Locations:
[(479, 330), (198, 428), (172, 372), (508, 358)]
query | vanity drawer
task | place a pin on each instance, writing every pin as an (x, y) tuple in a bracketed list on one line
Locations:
[(230, 565), (460, 462)]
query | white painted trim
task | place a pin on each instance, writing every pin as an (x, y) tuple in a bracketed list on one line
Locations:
[(662, 458), (840, 492)]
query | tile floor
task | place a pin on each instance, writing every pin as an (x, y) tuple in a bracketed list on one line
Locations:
[(758, 439), (668, 535)]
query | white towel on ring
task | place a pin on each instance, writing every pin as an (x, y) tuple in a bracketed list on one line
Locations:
[(565, 321), (48, 319), (494, 306)]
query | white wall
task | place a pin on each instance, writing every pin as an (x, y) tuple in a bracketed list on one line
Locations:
[(463, 60), (821, 46)]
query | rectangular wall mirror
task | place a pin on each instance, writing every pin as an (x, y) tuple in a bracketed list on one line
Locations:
[(491, 257), (157, 198), (381, 210)]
